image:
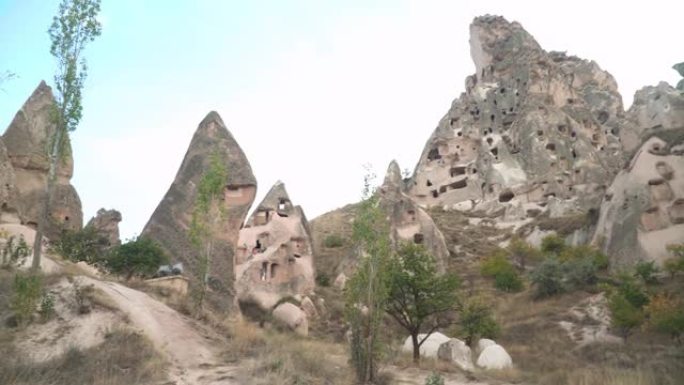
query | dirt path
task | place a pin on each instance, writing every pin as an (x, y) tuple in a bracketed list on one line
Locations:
[(192, 356)]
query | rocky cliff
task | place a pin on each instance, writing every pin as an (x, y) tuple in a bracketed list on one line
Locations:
[(532, 125), (26, 141), (170, 222)]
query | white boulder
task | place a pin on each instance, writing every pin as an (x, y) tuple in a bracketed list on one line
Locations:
[(482, 344), (292, 317), (429, 348), (494, 357), (457, 352)]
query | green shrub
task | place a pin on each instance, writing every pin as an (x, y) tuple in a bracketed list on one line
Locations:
[(624, 315), (522, 252), (476, 321), (497, 266), (584, 252), (322, 280), (508, 281), (47, 306), (553, 244), (86, 245), (580, 273), (632, 291), (675, 264), (434, 379), (14, 252), (646, 271), (548, 279), (666, 315), (27, 291), (333, 240), (140, 256)]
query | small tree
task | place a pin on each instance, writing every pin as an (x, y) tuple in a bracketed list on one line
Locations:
[(497, 266), (206, 214), (74, 26), (476, 321), (553, 244), (624, 315), (367, 290), (548, 278), (27, 290), (522, 252), (86, 245), (646, 271), (666, 315), (141, 256), (419, 297)]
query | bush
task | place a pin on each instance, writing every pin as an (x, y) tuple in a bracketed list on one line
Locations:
[(27, 291), (666, 315), (646, 271), (86, 245), (580, 273), (553, 244), (548, 279), (522, 252), (584, 252), (140, 256), (675, 264), (505, 276), (322, 280), (476, 321), (624, 315), (333, 240), (434, 379), (47, 306), (14, 254)]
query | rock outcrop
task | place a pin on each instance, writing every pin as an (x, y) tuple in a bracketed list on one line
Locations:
[(643, 210), (106, 223), (27, 142), (531, 125), (429, 348), (494, 357), (170, 222), (9, 209), (408, 221), (274, 253), (292, 317), (456, 352)]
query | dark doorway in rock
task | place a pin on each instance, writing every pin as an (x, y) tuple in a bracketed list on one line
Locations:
[(418, 238)]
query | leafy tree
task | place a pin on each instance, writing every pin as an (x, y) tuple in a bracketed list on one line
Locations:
[(497, 266), (553, 244), (74, 26), (632, 290), (578, 273), (86, 245), (27, 290), (366, 292), (522, 252), (666, 315), (646, 271), (624, 315), (476, 321), (548, 278), (141, 256), (206, 214), (419, 298)]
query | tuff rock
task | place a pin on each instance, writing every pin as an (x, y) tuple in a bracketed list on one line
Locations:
[(27, 142), (170, 222), (106, 223)]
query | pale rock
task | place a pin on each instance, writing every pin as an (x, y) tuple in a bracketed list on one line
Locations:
[(309, 308), (430, 347), (457, 352), (292, 317), (494, 357), (340, 281)]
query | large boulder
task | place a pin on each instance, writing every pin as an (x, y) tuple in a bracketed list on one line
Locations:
[(106, 224), (27, 141), (274, 252), (643, 209), (293, 317), (170, 222), (494, 357), (532, 125), (429, 348), (457, 352)]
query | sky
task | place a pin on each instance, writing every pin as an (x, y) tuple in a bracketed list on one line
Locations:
[(312, 90)]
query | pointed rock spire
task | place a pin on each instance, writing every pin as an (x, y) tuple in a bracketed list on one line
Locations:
[(170, 222)]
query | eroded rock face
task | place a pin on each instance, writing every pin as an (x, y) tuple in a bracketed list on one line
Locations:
[(106, 222), (408, 221), (274, 252), (643, 210), (531, 125), (9, 210), (170, 222), (26, 140)]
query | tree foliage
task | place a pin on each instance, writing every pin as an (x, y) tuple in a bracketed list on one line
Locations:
[(27, 290), (141, 256), (86, 245), (499, 267), (666, 315), (419, 298), (476, 321), (366, 291), (74, 26)]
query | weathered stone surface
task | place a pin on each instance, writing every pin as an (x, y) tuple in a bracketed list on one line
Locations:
[(9, 210), (106, 223), (429, 348), (482, 344), (643, 210), (457, 352), (531, 125), (292, 317), (494, 357), (408, 221), (274, 252), (340, 281), (309, 308), (170, 222), (27, 142)]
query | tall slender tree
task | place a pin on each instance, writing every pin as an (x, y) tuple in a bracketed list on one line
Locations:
[(74, 26)]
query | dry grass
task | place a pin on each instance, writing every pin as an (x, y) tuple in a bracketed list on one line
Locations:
[(284, 358), (125, 358)]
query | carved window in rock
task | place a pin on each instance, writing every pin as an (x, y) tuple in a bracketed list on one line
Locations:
[(274, 268), (264, 271), (282, 204)]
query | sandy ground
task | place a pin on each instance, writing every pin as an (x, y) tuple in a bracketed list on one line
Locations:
[(192, 356)]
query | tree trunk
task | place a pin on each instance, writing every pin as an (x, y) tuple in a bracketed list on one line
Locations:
[(416, 347), (44, 218)]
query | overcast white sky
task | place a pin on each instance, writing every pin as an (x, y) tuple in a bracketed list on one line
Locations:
[(311, 91)]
